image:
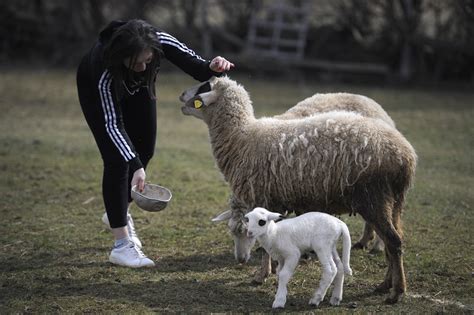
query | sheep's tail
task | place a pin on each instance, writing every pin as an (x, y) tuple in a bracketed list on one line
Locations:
[(346, 249)]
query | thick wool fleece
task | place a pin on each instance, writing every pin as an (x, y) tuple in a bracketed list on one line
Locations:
[(323, 103), (303, 164)]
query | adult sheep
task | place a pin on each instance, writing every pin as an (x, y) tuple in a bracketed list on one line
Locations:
[(338, 162), (367, 107)]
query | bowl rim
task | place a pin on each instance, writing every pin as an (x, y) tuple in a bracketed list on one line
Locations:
[(152, 199)]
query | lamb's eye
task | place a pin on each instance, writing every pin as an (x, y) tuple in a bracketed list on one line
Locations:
[(246, 220), (262, 222)]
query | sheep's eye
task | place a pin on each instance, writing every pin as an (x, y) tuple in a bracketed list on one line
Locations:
[(246, 220), (262, 222)]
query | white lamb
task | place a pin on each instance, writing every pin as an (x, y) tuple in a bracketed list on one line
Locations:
[(285, 241)]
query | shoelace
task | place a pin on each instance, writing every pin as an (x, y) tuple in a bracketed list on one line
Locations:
[(137, 251)]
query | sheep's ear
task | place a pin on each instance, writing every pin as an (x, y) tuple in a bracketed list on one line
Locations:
[(208, 98), (224, 216), (203, 99)]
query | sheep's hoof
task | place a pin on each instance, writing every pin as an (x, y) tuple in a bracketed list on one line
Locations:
[(382, 288), (376, 251), (393, 298), (258, 280), (358, 246)]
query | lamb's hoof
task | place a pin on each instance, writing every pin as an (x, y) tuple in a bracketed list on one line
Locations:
[(315, 301), (278, 304), (359, 246), (335, 301)]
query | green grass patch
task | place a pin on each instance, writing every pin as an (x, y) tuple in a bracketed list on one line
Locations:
[(54, 248)]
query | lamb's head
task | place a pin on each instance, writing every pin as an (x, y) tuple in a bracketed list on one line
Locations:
[(257, 221), (238, 229), (216, 97)]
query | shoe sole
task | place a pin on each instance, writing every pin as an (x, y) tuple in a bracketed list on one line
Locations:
[(111, 260)]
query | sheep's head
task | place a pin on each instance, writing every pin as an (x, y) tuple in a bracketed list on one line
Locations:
[(257, 221), (238, 228), (199, 99)]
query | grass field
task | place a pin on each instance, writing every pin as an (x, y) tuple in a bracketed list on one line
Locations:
[(54, 248)]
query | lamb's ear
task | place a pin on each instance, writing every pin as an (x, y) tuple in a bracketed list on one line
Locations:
[(224, 216), (274, 216), (203, 99)]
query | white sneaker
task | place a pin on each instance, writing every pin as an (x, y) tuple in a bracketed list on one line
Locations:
[(130, 256), (130, 227)]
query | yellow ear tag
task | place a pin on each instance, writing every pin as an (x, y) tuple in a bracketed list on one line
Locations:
[(197, 104)]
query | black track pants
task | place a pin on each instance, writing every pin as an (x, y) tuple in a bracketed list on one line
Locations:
[(138, 120)]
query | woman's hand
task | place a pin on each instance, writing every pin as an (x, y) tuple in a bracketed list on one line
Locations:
[(220, 64), (139, 179)]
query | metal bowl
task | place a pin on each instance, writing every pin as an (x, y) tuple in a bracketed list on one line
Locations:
[(153, 198)]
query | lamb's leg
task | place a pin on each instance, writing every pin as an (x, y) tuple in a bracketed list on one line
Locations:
[(336, 296), (265, 269), (281, 263), (289, 265), (329, 271), (367, 236)]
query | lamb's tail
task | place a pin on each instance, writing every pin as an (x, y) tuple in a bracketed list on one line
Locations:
[(346, 249)]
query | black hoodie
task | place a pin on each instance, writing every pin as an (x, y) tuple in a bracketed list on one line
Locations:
[(100, 78)]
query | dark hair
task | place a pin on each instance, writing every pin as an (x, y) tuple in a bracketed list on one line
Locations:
[(128, 41)]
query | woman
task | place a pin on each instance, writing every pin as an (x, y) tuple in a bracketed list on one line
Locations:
[(116, 87)]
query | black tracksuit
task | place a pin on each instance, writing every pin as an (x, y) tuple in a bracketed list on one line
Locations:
[(124, 122)]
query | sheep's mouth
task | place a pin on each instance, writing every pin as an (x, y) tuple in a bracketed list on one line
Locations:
[(186, 110)]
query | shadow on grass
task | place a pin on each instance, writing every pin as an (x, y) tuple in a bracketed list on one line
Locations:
[(177, 284), (196, 263)]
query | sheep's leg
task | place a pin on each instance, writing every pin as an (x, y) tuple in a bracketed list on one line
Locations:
[(378, 246), (329, 271), (289, 265), (386, 285), (388, 229), (377, 205), (265, 269), (336, 296), (395, 249), (367, 236)]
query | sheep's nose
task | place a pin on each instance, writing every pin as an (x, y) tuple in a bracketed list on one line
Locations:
[(249, 234)]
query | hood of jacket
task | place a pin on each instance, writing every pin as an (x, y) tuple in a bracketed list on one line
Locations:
[(108, 31)]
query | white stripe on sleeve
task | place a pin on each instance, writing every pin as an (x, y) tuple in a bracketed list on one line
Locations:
[(166, 38)]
